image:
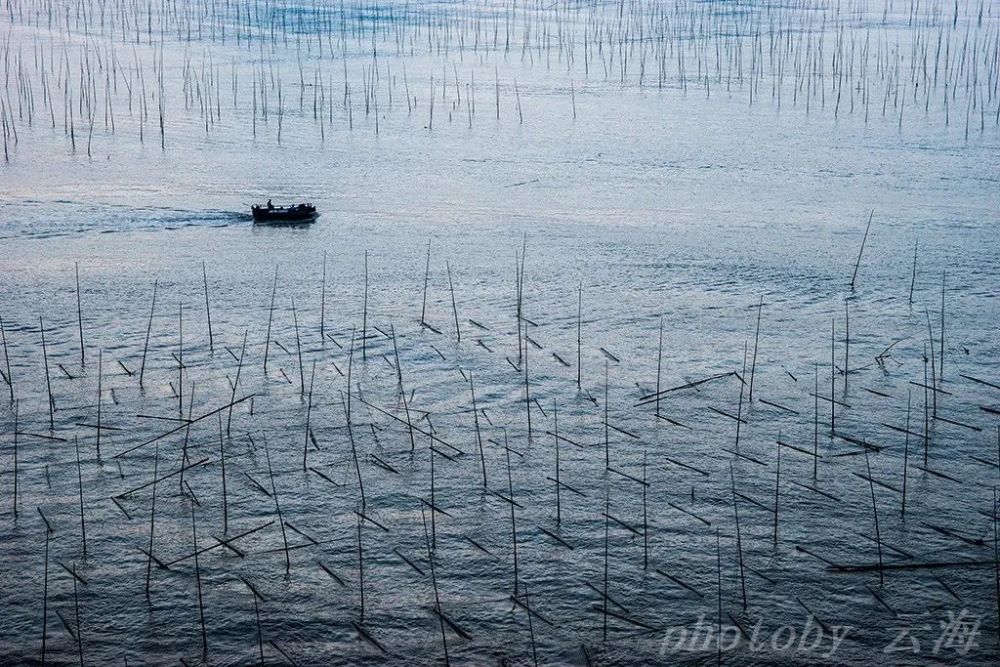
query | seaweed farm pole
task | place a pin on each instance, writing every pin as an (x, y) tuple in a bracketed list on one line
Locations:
[(816, 421), (361, 570), (454, 308), (739, 537), (152, 518), (739, 409), (350, 364), (239, 369), (645, 521), (756, 340), (309, 405), (863, 240), (607, 514), (913, 276), (180, 360), (16, 414), (79, 313), (555, 416), (878, 535), (406, 407), (298, 349), (926, 413), (833, 378), (940, 369), (222, 462), (718, 573), (996, 552), (364, 319), (322, 306), (48, 380), (270, 316), (100, 376), (906, 448), (527, 395), (579, 321), (277, 505), (208, 310), (6, 356), (427, 277), (79, 478), (607, 441), (475, 418), (149, 328), (430, 445), (45, 593), (437, 597), (513, 524), (76, 607), (847, 342), (659, 363), (357, 466), (777, 486), (197, 575)]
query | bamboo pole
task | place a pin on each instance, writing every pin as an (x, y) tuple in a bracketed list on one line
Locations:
[(208, 309), (79, 314), (48, 381), (149, 328), (270, 317)]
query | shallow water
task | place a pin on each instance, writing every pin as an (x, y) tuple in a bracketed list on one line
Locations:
[(655, 203)]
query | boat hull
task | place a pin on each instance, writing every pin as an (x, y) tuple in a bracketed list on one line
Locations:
[(291, 215)]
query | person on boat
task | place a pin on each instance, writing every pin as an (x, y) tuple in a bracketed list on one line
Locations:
[(270, 206)]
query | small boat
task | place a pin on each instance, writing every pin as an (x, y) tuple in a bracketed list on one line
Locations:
[(295, 214)]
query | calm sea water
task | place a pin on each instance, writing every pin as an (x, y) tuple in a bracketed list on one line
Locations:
[(642, 196)]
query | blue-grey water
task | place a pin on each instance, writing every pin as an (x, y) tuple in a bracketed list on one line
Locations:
[(644, 168)]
